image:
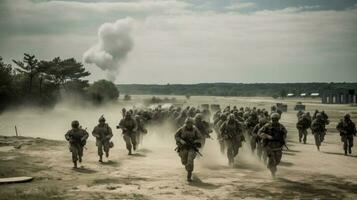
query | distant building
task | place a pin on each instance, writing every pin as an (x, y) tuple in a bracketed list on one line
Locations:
[(303, 95), (315, 94), (339, 96), (290, 95)]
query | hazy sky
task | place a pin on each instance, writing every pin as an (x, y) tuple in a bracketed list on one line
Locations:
[(189, 41)]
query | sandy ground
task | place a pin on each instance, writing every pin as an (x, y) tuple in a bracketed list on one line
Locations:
[(155, 172)]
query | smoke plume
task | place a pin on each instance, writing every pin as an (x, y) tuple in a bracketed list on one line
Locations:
[(114, 44)]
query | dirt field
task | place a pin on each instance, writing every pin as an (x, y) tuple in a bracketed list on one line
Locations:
[(155, 172)]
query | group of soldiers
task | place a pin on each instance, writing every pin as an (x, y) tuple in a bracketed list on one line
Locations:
[(318, 122), (132, 130), (259, 128)]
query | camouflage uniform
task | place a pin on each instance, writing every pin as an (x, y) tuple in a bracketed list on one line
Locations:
[(203, 127), (77, 139), (102, 133), (141, 130), (218, 125), (188, 140), (258, 142), (129, 127), (302, 125), (347, 130), (232, 134), (319, 130), (273, 135)]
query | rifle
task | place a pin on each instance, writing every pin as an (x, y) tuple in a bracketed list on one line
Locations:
[(190, 145)]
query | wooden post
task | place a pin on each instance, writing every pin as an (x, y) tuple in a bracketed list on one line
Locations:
[(16, 132)]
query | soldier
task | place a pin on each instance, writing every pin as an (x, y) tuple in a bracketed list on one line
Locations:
[(347, 130), (141, 130), (203, 127), (318, 130), (77, 138), (103, 133), (218, 125), (273, 135), (302, 125), (299, 113), (257, 141), (232, 135), (188, 140), (128, 126)]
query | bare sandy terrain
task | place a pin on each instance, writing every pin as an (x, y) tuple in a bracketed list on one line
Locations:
[(155, 172)]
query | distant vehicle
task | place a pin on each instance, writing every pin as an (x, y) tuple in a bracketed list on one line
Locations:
[(279, 107), (299, 106)]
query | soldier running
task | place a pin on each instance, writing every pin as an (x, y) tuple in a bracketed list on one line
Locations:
[(103, 133), (318, 130), (273, 135), (188, 140), (77, 138), (129, 126), (347, 130), (232, 135)]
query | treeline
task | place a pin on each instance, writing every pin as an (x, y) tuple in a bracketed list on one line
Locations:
[(233, 89), (42, 82)]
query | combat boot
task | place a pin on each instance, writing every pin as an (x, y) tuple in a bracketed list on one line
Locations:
[(80, 159), (189, 176), (350, 150), (345, 152), (100, 159), (75, 165), (129, 152), (107, 154)]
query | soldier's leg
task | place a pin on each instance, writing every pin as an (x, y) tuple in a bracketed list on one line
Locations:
[(253, 142), (322, 136), (272, 162), (134, 141), (278, 156), (345, 145), (100, 149), (190, 163), (317, 140), (304, 135), (106, 148), (80, 153), (259, 150), (265, 155), (183, 155), (126, 138), (350, 143), (300, 135), (74, 151), (230, 151)]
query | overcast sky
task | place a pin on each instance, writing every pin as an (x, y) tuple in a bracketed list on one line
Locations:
[(189, 41)]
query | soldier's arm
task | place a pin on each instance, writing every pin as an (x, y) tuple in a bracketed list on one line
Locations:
[(110, 132), (85, 135), (95, 133), (178, 137), (262, 133), (339, 127), (67, 135), (285, 132)]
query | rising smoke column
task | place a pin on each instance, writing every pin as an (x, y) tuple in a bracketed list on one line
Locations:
[(114, 44)]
